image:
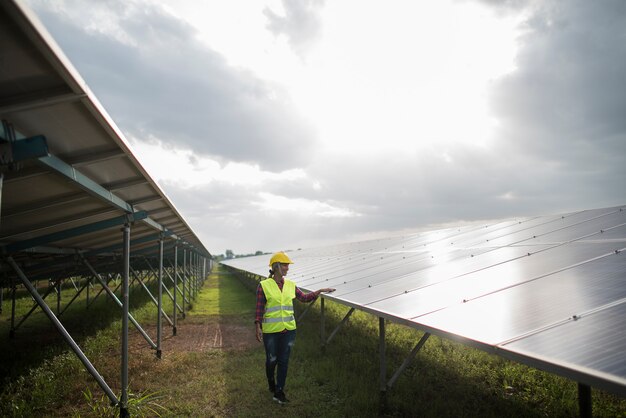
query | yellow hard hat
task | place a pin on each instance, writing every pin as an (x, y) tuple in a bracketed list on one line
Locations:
[(280, 257)]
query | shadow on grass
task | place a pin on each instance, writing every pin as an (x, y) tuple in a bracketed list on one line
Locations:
[(37, 340)]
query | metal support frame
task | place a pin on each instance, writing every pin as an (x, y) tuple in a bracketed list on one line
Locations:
[(125, 316), (13, 290), (408, 360), (343, 321), (194, 276), (175, 313), (584, 401), (163, 287), (78, 292), (160, 299), (68, 338), (184, 277), (57, 285), (383, 356), (174, 280), (117, 301), (322, 325), (152, 298), (189, 273), (36, 148), (170, 294), (308, 307), (382, 346), (102, 289), (87, 293), (74, 232), (1, 185), (29, 313)]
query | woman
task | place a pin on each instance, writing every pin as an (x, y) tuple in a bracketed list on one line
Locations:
[(275, 321)]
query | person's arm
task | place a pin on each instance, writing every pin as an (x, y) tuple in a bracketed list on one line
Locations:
[(308, 297), (260, 311)]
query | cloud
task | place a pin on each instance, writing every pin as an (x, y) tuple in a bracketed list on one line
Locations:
[(157, 80), (565, 104), (252, 177), (246, 219), (301, 23)]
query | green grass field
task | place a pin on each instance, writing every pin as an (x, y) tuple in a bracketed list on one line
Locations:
[(40, 377)]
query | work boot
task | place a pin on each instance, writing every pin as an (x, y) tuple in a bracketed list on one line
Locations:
[(280, 397)]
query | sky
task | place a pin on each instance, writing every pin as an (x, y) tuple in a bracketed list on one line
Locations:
[(277, 125)]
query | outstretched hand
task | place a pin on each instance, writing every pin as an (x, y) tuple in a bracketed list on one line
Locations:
[(327, 290)]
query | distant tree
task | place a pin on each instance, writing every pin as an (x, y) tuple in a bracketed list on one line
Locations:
[(229, 254), (259, 253)]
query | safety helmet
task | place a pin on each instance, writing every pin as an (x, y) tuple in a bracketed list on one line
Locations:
[(280, 257)]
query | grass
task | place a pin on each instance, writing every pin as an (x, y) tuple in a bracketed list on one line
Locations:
[(446, 379)]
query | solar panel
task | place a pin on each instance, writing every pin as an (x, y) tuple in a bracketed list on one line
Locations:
[(547, 290)]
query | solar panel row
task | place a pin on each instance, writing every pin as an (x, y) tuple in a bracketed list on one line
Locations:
[(549, 291)]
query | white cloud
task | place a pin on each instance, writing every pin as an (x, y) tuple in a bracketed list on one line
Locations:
[(185, 169), (368, 118), (303, 207)]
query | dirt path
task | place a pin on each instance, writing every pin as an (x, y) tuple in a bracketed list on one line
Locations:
[(198, 334)]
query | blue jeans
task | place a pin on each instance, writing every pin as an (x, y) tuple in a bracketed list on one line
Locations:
[(277, 349)]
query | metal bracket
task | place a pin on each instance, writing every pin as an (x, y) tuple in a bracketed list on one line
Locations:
[(408, 360), (336, 330)]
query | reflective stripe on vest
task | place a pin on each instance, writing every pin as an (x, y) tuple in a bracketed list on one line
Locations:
[(278, 308), (278, 314), (281, 319)]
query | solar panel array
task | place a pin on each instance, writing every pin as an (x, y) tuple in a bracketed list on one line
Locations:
[(549, 291), (76, 204), (74, 194)]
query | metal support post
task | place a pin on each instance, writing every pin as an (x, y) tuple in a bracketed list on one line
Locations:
[(322, 326), (167, 273), (194, 274), (160, 299), (13, 290), (58, 288), (125, 314), (584, 401), (192, 290), (184, 279), (383, 359), (408, 360), (68, 338), (192, 271), (175, 287)]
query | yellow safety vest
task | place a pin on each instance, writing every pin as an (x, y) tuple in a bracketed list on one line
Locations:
[(279, 306)]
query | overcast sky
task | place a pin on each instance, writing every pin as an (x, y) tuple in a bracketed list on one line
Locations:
[(276, 125)]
